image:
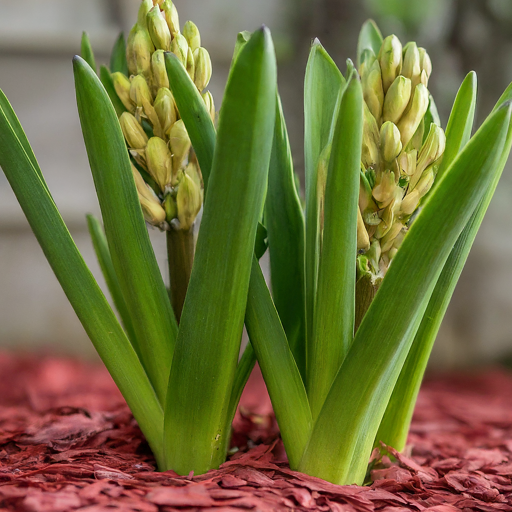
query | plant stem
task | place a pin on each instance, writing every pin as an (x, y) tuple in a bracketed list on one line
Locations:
[(365, 293), (180, 252)]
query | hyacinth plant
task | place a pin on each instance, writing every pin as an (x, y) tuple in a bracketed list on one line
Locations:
[(360, 281)]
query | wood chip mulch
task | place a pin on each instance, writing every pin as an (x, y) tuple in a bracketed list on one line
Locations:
[(68, 442)]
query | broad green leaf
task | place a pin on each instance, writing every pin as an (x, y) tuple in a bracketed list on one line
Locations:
[(282, 377), (80, 287), (284, 221), (194, 114), (460, 123), (108, 84), (118, 61), (322, 86), (335, 302), (206, 354), (128, 240), (370, 38), (87, 52), (100, 245), (397, 419), (344, 432)]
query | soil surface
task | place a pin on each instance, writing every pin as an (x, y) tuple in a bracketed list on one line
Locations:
[(68, 442)]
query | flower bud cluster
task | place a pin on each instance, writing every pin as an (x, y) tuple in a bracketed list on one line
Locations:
[(169, 182), (401, 149)]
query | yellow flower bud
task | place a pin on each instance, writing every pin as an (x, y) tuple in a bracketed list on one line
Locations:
[(372, 90), (425, 63), (396, 100), (432, 150), (363, 240), (390, 142), (151, 208), (130, 54), (139, 91), (122, 87), (384, 190), (144, 8), (210, 105), (189, 202), (159, 161), (180, 144), (170, 207), (371, 139), (171, 16), (165, 108), (160, 78), (390, 59), (132, 131), (426, 181), (179, 47), (410, 202), (140, 50), (413, 116), (388, 219), (203, 66), (388, 239), (407, 162), (193, 171), (411, 67), (158, 29), (191, 33), (191, 65)]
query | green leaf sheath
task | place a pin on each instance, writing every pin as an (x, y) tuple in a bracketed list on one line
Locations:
[(284, 221), (108, 84), (335, 302), (15, 125), (278, 367), (100, 245), (118, 62), (206, 354), (342, 438), (194, 114), (128, 240), (370, 38), (79, 285), (87, 52), (397, 419), (322, 86), (460, 123)]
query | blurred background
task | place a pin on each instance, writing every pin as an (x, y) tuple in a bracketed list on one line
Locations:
[(38, 39)]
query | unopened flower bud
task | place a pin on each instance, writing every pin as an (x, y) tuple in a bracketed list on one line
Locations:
[(426, 181), (144, 9), (411, 67), (151, 208), (171, 16), (412, 118), (159, 161), (388, 219), (396, 100), (180, 144), (139, 51), (139, 91), (384, 189), (189, 202), (363, 240), (158, 29), (192, 170), (432, 150), (390, 142), (371, 139), (191, 65), (122, 87), (407, 162), (165, 108), (179, 47), (390, 58), (372, 90), (388, 239), (425, 63), (203, 71), (210, 105), (191, 33), (170, 207), (410, 202), (160, 77), (132, 131)]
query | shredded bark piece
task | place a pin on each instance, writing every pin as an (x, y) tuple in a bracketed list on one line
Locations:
[(69, 442)]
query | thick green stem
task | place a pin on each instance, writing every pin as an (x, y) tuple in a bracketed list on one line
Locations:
[(366, 289), (180, 251)]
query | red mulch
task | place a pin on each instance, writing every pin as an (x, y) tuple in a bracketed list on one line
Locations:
[(68, 442)]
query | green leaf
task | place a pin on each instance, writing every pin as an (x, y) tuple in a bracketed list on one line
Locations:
[(397, 419), (194, 114), (370, 38), (207, 348), (460, 123), (79, 285), (86, 51), (100, 244), (278, 367), (323, 84), (284, 221), (118, 62), (343, 434), (128, 240), (108, 84), (335, 302)]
